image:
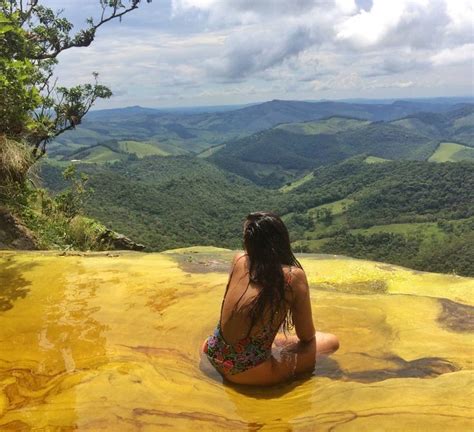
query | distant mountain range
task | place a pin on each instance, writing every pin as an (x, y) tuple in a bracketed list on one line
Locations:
[(187, 132)]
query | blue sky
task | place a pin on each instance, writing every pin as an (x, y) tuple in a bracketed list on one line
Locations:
[(212, 52)]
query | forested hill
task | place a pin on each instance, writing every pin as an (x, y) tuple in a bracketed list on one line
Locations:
[(394, 211), (194, 132), (168, 202), (274, 156), (456, 125), (265, 157), (413, 213), (365, 180)]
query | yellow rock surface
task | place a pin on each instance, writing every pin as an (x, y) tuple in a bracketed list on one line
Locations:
[(99, 342)]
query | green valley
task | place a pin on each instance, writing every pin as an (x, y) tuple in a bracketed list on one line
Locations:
[(396, 211), (347, 178)]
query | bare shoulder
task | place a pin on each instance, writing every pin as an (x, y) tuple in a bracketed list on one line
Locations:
[(299, 282), (238, 257)]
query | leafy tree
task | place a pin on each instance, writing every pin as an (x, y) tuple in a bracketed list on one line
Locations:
[(18, 96), (324, 215), (71, 200), (33, 108)]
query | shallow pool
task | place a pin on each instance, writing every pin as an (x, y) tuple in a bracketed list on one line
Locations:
[(102, 342)]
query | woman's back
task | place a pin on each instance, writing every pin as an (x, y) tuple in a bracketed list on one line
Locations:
[(235, 319)]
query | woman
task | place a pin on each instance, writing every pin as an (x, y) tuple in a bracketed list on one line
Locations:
[(267, 290)]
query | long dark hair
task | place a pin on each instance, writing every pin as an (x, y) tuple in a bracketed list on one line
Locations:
[(267, 243)]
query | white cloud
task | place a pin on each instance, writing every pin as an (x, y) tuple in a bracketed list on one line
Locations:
[(461, 54), (346, 6), (175, 50), (461, 13), (415, 23), (368, 28)]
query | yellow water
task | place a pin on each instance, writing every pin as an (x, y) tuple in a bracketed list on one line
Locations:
[(103, 342)]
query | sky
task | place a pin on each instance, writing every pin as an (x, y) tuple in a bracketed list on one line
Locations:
[(172, 53)]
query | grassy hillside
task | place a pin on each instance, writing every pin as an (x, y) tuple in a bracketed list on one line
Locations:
[(113, 151), (293, 185), (276, 156), (281, 155), (452, 152), (375, 159), (456, 125), (323, 126), (195, 132), (346, 177), (390, 192), (144, 148)]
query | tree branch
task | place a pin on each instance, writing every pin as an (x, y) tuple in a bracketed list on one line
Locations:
[(85, 37), (25, 16)]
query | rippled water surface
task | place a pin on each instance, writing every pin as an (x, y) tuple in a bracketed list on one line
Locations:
[(103, 342)]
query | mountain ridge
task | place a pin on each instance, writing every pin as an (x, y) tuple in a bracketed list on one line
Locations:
[(195, 132)]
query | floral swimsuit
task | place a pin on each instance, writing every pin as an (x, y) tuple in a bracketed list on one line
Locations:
[(245, 354)]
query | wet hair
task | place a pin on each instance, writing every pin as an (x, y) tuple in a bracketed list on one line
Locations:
[(267, 243)]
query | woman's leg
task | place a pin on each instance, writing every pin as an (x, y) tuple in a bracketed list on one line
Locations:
[(326, 343), (288, 359)]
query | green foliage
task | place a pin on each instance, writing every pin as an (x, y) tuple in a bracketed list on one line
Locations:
[(85, 233), (398, 191), (56, 221), (32, 108), (449, 254), (454, 254), (71, 200), (388, 247), (408, 192), (18, 96), (413, 191), (169, 202), (284, 150)]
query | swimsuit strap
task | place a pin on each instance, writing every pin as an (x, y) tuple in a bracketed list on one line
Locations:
[(289, 276)]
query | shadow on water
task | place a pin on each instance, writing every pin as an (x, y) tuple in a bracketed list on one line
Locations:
[(328, 367), (425, 367), (13, 285), (273, 392), (456, 317)]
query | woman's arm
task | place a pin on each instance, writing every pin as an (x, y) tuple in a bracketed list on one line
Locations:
[(301, 307), (235, 260)]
